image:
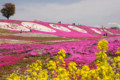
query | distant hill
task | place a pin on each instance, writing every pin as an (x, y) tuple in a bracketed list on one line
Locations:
[(58, 29)]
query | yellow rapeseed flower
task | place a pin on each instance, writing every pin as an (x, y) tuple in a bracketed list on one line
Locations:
[(103, 45), (62, 52)]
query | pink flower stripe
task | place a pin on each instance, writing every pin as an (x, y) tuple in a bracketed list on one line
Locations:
[(8, 60)]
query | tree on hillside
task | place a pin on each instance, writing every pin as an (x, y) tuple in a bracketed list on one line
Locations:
[(8, 10)]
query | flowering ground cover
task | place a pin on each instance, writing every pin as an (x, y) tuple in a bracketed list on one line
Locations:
[(55, 59), (109, 32), (20, 66), (116, 31), (63, 30), (59, 69), (92, 30), (113, 30), (9, 59), (119, 31), (82, 52)]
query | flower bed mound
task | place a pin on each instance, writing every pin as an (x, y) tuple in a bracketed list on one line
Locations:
[(63, 30)]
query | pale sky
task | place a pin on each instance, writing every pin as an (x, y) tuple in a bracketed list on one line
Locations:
[(85, 12)]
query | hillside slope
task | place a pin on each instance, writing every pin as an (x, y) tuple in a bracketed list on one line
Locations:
[(53, 29)]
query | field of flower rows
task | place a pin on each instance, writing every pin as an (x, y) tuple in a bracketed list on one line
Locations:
[(82, 52), (75, 60)]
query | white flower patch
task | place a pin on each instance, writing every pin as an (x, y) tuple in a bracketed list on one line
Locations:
[(59, 27), (108, 31), (77, 29), (96, 31), (101, 29), (12, 26), (4, 25), (18, 28), (37, 27)]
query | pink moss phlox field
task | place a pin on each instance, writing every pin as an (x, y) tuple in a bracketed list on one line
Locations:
[(82, 52), (113, 47), (9, 59), (91, 31), (114, 30)]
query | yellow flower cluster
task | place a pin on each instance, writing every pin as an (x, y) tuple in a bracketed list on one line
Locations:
[(58, 70), (103, 45), (118, 52)]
